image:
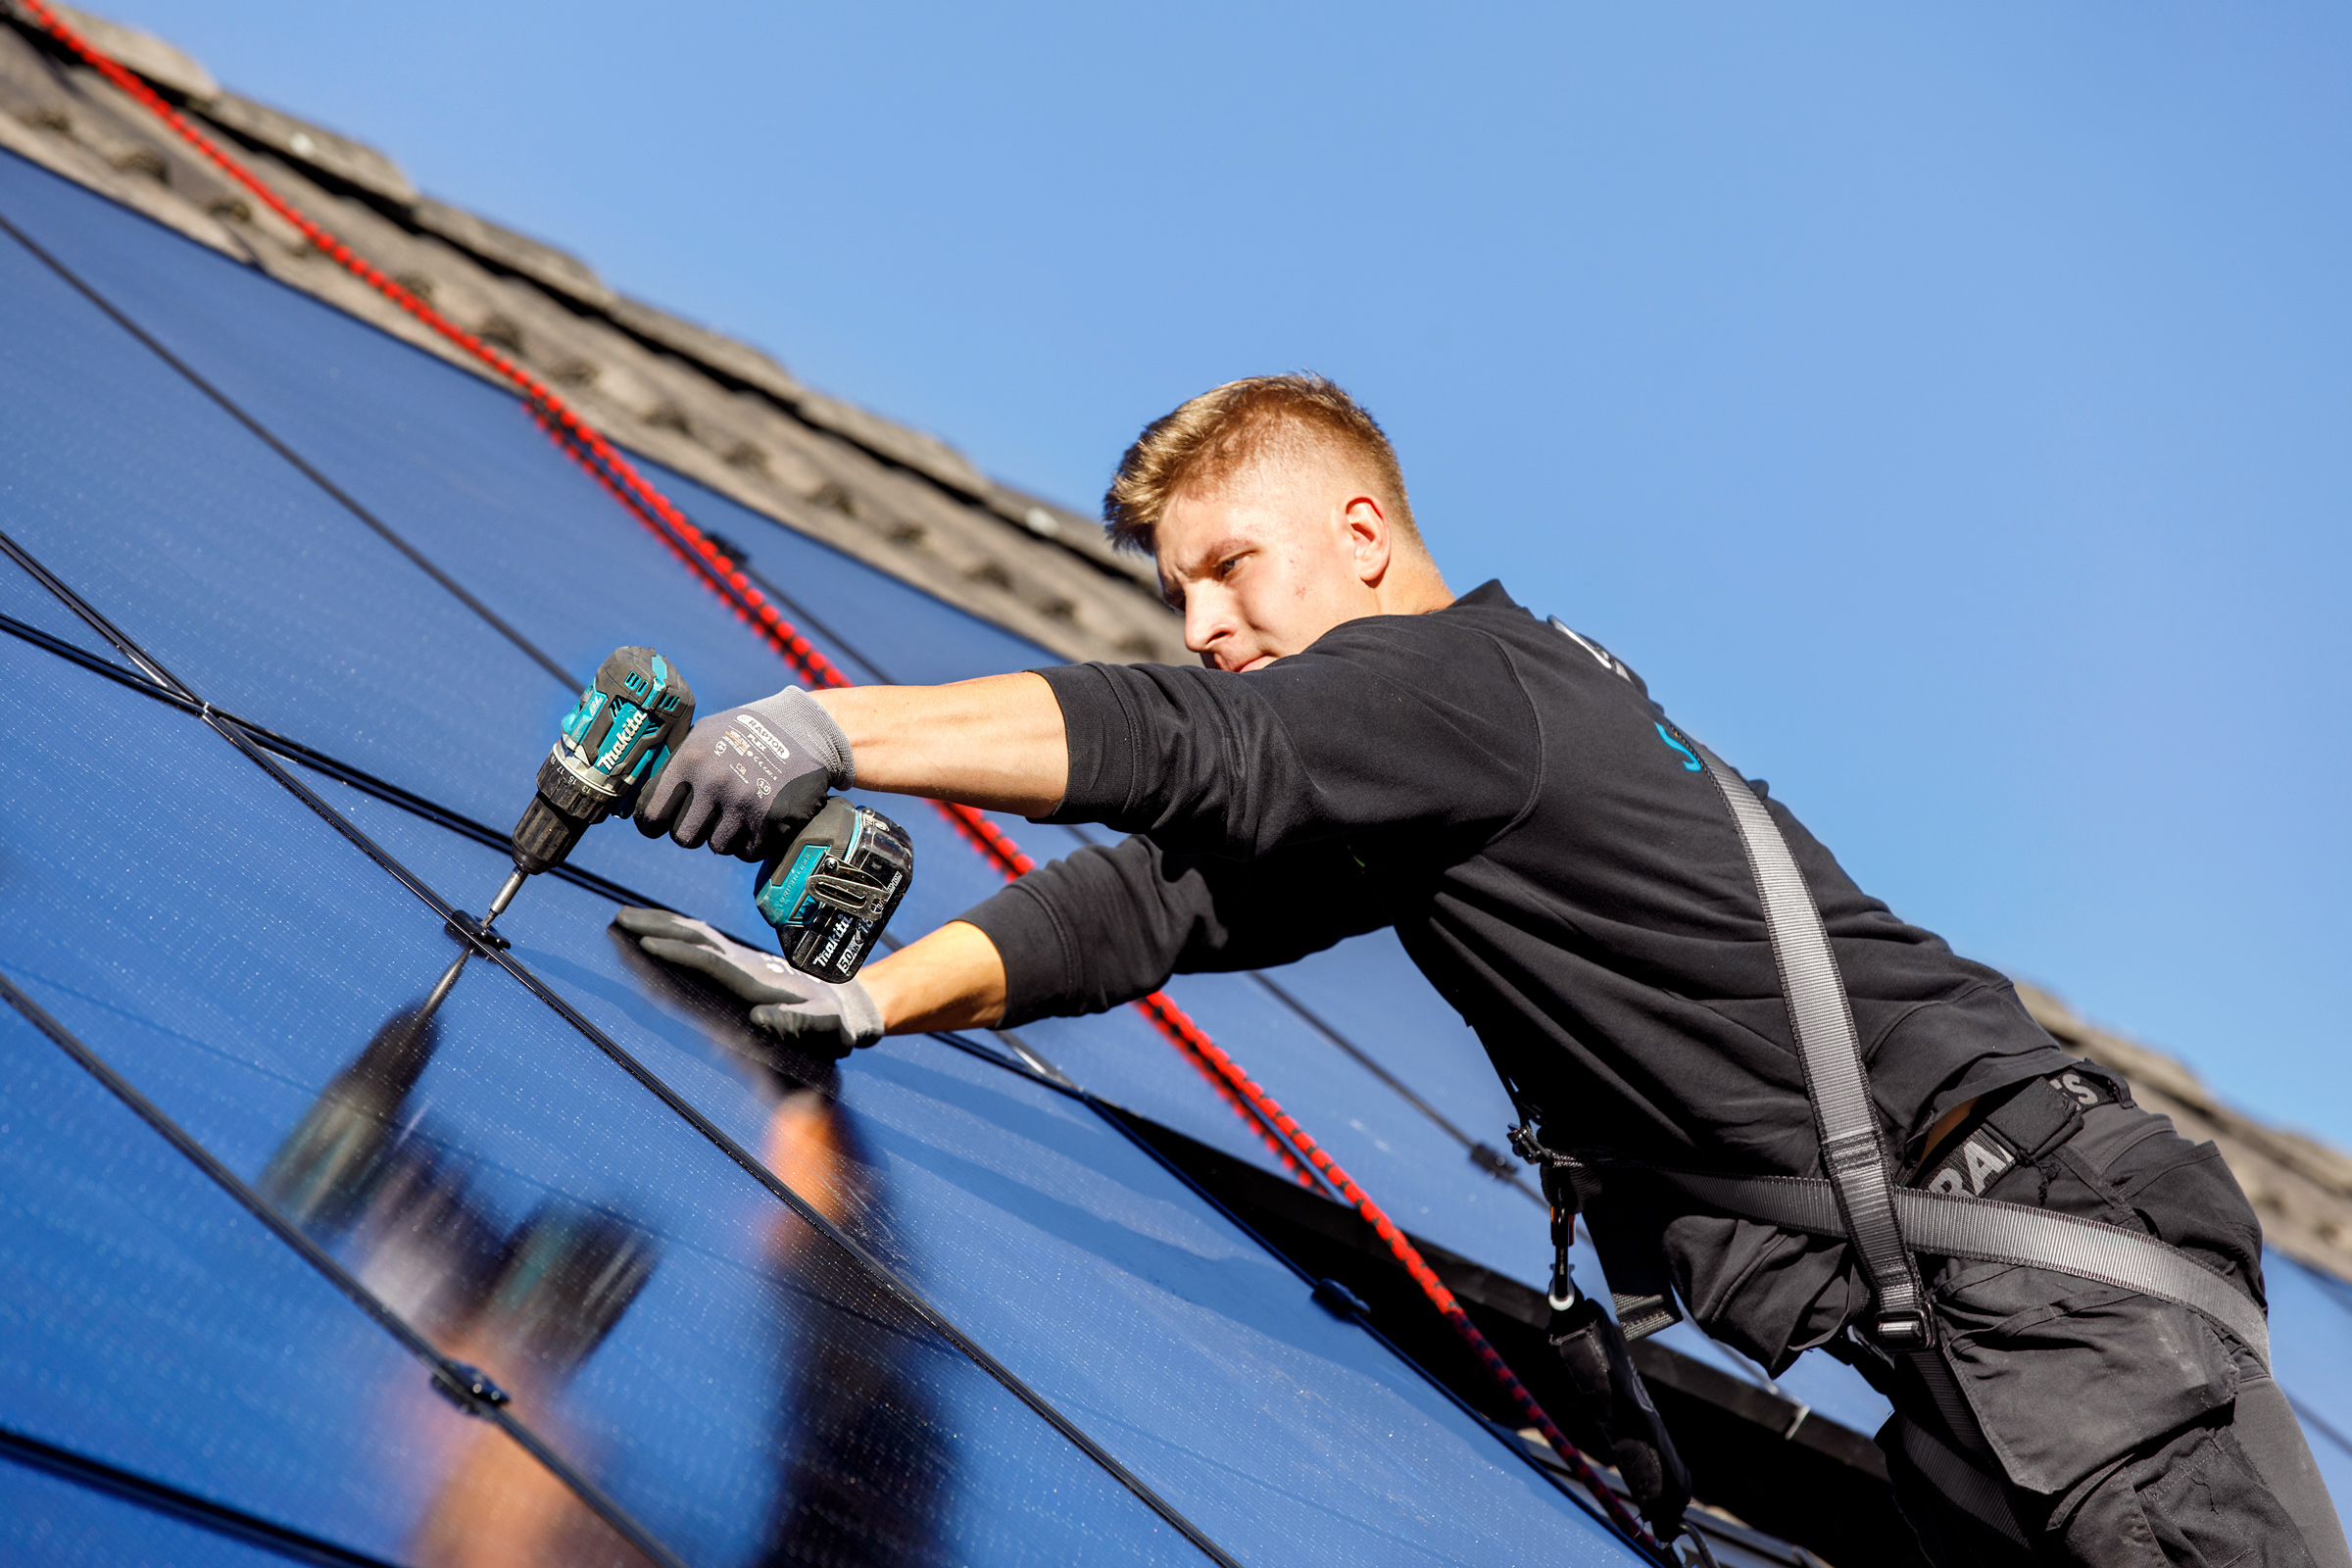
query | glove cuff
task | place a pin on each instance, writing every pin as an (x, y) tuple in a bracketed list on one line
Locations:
[(861, 1019), (794, 713)]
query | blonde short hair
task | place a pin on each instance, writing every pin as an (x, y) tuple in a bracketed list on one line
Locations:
[(1222, 432)]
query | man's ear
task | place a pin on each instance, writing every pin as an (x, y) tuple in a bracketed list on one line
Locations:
[(1368, 539)]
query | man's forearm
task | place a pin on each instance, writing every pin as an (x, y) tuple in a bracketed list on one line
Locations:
[(952, 979), (995, 742)]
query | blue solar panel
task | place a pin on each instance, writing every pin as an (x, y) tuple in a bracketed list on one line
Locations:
[(153, 1325), (1368, 988), (1419, 1174), (1288, 1433), (504, 1127), (253, 584)]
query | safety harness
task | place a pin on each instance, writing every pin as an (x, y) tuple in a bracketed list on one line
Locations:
[(1858, 1201)]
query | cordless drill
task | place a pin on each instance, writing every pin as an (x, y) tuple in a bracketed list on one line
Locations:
[(619, 734), (624, 729)]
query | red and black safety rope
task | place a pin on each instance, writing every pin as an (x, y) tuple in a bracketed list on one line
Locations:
[(718, 572)]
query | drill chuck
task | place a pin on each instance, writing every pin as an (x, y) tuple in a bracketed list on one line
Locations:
[(562, 811)]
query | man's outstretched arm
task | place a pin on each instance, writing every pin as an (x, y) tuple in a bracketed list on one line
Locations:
[(996, 742), (746, 779), (1083, 933)]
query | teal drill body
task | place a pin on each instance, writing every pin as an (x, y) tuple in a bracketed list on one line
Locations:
[(624, 730)]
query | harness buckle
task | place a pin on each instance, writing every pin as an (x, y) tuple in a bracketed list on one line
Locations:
[(1899, 1333)]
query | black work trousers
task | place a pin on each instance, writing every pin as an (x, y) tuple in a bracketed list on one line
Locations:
[(2063, 1421)]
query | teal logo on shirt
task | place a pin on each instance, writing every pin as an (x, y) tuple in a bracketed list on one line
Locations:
[(1691, 762)]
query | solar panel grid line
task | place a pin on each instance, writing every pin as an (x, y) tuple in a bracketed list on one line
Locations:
[(148, 666), (302, 465), (1403, 1089), (799, 611), (17, 1448), (236, 736), (461, 1385), (1432, 1286), (321, 762), (875, 1268)]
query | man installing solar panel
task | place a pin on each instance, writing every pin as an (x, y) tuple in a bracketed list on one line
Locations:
[(1811, 1122)]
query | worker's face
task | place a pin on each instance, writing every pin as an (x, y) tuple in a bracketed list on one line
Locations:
[(1270, 559)]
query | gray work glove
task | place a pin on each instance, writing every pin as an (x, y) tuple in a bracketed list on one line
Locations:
[(747, 779), (821, 1018)]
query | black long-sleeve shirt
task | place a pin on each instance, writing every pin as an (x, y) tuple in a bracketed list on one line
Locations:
[(1557, 863)]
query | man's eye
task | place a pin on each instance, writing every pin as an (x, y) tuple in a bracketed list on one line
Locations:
[(1225, 567)]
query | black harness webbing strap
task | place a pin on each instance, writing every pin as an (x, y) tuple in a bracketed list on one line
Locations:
[(1823, 1021), (1860, 1202), (1963, 1484), (1984, 1231)]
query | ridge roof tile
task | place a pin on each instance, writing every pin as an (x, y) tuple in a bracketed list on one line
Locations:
[(317, 148), (502, 247)]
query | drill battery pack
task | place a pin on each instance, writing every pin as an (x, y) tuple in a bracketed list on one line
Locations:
[(834, 888)]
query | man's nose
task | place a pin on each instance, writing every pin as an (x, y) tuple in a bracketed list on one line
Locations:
[(1206, 624)]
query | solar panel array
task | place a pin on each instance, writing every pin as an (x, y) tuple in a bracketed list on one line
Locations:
[(988, 1326)]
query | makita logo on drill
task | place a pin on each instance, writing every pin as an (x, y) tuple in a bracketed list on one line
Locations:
[(623, 734)]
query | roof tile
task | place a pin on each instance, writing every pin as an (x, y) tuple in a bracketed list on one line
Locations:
[(566, 274), (313, 147), (171, 68)]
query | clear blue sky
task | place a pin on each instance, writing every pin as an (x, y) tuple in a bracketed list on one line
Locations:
[(1944, 407)]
